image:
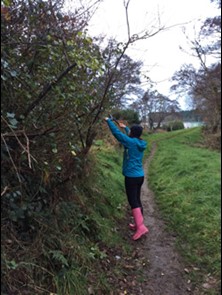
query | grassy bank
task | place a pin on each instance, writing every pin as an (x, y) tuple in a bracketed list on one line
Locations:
[(98, 241), (186, 181), (73, 245)]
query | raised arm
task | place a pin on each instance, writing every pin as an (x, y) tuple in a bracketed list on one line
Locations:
[(122, 125), (120, 136)]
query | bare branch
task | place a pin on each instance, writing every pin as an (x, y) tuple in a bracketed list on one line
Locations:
[(26, 149), (4, 190), (126, 5), (88, 8)]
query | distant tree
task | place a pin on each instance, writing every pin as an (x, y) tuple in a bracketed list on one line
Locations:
[(207, 96), (204, 84), (155, 107)]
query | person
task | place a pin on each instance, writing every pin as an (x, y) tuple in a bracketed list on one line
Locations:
[(132, 169)]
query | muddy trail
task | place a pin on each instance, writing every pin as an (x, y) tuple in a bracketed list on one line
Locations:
[(164, 271)]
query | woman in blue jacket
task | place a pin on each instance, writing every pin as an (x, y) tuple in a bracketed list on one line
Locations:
[(132, 169)]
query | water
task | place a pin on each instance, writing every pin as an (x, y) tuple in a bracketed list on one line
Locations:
[(192, 124)]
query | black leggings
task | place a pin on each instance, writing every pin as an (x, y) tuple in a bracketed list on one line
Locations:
[(133, 189)]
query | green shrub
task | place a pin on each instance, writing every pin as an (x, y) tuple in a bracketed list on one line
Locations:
[(131, 116), (173, 125)]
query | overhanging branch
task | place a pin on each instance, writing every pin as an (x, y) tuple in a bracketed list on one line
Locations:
[(47, 88)]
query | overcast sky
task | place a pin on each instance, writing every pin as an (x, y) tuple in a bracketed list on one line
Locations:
[(160, 54)]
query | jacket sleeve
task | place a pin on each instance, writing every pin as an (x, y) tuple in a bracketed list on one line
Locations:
[(121, 137), (127, 130)]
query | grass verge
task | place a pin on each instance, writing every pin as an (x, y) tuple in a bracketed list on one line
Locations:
[(186, 181), (76, 245)]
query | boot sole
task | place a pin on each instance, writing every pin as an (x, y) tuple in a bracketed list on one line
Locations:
[(140, 235)]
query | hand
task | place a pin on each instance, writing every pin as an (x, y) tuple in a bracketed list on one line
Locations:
[(122, 125)]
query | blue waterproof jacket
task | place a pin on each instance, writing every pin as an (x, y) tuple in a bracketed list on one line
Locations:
[(133, 151)]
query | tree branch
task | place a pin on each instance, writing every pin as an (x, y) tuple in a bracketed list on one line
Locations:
[(47, 88), (126, 4)]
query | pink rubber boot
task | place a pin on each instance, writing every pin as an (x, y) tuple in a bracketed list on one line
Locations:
[(141, 229), (132, 226)]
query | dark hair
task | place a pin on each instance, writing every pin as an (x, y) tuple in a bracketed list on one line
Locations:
[(136, 131)]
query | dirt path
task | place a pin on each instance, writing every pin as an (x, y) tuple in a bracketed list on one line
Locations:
[(165, 272)]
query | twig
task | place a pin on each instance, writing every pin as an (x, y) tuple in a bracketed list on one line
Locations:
[(23, 147), (36, 265), (28, 151), (87, 9), (13, 164), (127, 17), (4, 190), (20, 133)]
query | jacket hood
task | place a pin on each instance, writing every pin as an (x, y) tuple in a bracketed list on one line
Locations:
[(141, 144)]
